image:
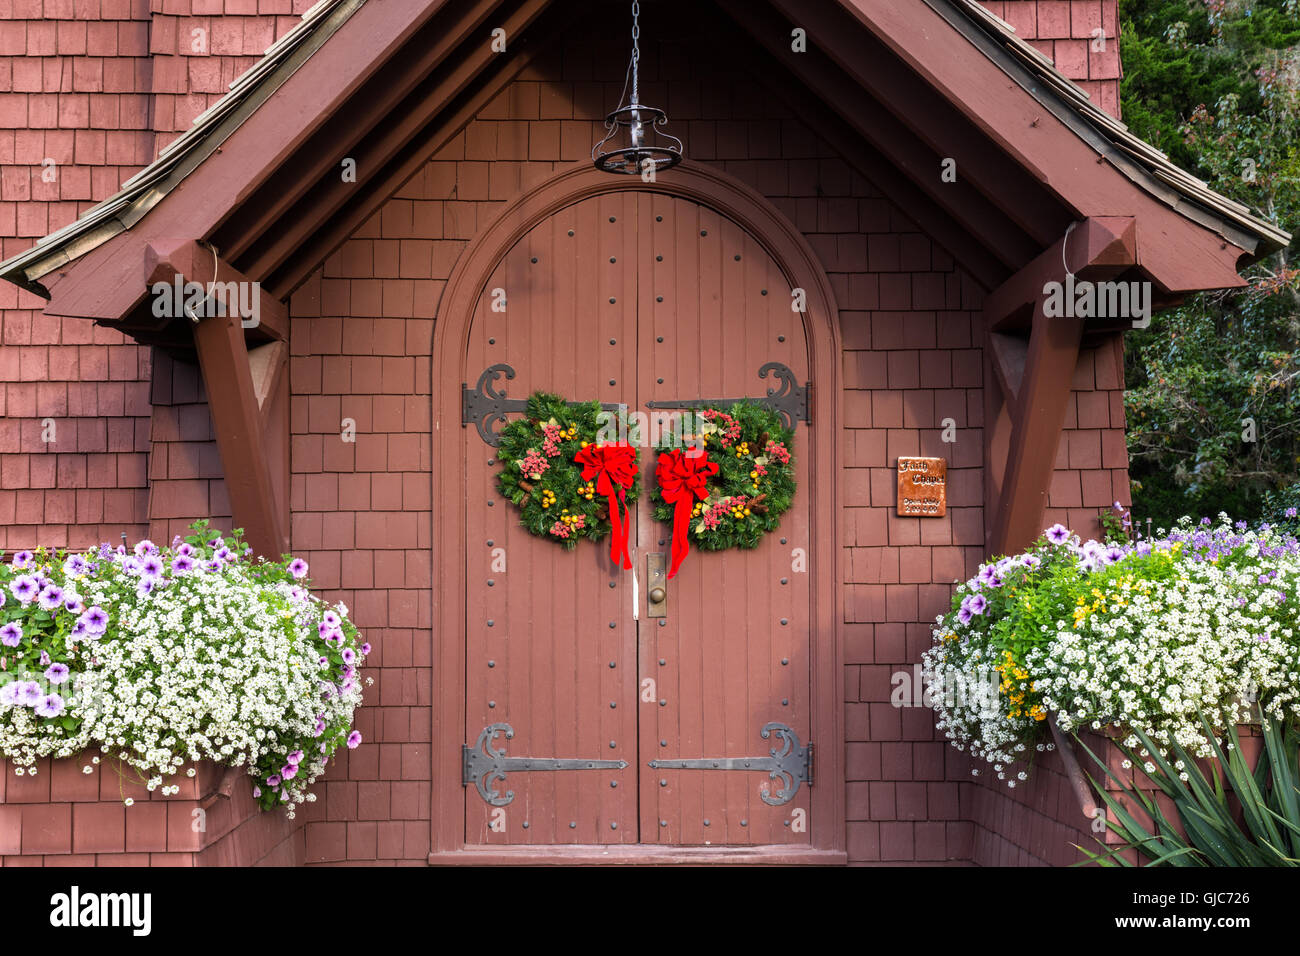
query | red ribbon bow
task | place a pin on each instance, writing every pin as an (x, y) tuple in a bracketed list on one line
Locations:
[(614, 468), (682, 479)]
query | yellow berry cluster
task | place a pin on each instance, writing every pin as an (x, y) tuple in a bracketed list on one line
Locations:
[(587, 491), (739, 511), (567, 518), (548, 497), (742, 449), (571, 432), (754, 476)]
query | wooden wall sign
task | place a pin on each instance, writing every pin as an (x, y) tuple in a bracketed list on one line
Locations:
[(922, 487)]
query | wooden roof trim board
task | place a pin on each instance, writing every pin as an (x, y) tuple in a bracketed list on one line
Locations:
[(1149, 161), (209, 130)]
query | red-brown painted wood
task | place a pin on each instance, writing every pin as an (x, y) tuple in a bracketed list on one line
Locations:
[(723, 642), (702, 283), (543, 663), (251, 480)]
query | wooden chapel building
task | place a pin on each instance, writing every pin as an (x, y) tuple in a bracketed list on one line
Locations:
[(913, 172)]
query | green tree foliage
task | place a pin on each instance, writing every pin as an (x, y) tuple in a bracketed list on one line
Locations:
[(1212, 400)]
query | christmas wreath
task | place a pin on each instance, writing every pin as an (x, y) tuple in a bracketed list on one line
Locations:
[(728, 487), (567, 484)]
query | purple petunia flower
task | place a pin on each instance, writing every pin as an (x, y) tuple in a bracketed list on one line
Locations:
[(273, 780), (1058, 534), (298, 568), (1112, 554), (144, 547), (324, 662), (349, 655), (51, 597), (23, 558), (288, 771), (11, 634), (75, 564), (977, 604), (354, 740), (57, 673), (49, 706), (9, 694), (1030, 561), (365, 649), (151, 566), (29, 693), (224, 554), (213, 566), (94, 620), (24, 588), (72, 602), (185, 550), (295, 758), (257, 791), (2, 597), (45, 659), (332, 619), (964, 615), (145, 587), (1290, 512), (181, 564), (79, 630)]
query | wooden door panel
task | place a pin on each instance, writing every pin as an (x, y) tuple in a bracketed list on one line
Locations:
[(732, 655), (632, 297), (551, 642)]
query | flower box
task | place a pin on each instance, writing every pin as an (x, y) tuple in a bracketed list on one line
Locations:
[(64, 816)]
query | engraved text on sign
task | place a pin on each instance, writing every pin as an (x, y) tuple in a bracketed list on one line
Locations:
[(922, 487)]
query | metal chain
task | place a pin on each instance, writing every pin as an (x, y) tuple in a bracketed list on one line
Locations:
[(636, 48)]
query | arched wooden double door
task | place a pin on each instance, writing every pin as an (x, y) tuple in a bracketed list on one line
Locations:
[(632, 298)]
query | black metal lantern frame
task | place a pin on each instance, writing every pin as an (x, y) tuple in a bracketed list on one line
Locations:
[(635, 140)]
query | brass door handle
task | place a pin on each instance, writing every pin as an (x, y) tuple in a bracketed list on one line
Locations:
[(657, 585)]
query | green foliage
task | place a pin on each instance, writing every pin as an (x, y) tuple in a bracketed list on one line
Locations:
[(524, 444), (746, 438), (1230, 814), (1215, 86), (1282, 507)]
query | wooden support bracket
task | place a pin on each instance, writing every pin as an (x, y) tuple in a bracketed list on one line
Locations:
[(1033, 374), (247, 392)]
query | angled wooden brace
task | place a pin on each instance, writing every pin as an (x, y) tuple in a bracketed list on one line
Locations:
[(247, 392), (1028, 391)]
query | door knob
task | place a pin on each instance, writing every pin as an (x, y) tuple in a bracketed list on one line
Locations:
[(656, 586)]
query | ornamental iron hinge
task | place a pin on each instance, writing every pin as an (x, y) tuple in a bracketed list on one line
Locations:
[(792, 764), (788, 399), (485, 766), (483, 405)]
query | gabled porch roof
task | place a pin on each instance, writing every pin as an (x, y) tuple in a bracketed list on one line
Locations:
[(253, 191)]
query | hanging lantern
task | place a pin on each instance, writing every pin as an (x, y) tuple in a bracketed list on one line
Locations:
[(635, 141)]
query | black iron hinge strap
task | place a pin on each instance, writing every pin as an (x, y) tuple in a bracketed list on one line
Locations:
[(792, 764), (485, 766)]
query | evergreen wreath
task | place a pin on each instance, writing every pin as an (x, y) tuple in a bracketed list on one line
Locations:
[(540, 476), (754, 485)]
